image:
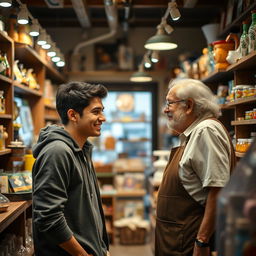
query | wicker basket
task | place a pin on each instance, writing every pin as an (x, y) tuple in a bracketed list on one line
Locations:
[(132, 237)]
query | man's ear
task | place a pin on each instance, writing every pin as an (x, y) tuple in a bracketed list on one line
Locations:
[(72, 115), (189, 105)]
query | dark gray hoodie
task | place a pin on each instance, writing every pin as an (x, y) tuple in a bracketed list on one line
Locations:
[(66, 198)]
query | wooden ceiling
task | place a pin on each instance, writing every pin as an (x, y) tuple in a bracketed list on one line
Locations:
[(142, 13)]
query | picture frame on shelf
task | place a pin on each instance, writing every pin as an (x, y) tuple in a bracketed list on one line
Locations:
[(106, 56)]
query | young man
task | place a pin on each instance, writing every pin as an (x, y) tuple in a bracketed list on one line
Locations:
[(67, 213), (195, 173)]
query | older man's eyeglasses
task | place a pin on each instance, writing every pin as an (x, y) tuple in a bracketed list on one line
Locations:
[(169, 103)]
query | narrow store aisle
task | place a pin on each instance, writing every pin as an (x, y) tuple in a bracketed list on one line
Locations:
[(131, 250)]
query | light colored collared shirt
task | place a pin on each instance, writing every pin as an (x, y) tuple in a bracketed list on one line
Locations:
[(206, 159)]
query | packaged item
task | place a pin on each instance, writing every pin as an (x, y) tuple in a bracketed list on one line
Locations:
[(2, 103), (238, 91)]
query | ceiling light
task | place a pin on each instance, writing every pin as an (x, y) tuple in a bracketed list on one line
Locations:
[(160, 41), (56, 58), (174, 11), (140, 76), (34, 28), (42, 37), (23, 15), (168, 28), (60, 63), (5, 3), (147, 61), (52, 51), (155, 56), (48, 43)]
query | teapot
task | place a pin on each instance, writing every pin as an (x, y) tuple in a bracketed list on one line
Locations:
[(233, 55)]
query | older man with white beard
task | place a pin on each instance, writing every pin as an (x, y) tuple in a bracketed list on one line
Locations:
[(195, 173)]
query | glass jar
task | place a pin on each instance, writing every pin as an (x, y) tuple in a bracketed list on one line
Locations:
[(252, 91), (2, 103), (246, 91), (249, 115), (238, 92)]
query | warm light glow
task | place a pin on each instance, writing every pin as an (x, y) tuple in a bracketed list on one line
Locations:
[(56, 59), (6, 3), (160, 46), (46, 46), (60, 63), (23, 15), (51, 53), (141, 79)]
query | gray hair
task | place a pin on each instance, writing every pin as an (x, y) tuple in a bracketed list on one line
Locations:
[(205, 100)]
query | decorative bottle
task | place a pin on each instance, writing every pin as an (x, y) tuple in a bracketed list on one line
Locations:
[(252, 33), (244, 40)]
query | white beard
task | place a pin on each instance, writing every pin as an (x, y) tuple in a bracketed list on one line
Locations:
[(178, 119)]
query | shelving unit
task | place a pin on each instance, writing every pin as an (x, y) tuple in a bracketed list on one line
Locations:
[(13, 221), (108, 202), (242, 72)]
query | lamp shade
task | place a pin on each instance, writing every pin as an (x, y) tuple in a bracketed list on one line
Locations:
[(160, 42), (5, 3), (140, 76)]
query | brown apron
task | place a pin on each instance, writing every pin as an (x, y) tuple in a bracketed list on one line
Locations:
[(178, 215)]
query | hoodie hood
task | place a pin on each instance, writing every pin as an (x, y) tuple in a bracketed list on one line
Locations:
[(52, 133)]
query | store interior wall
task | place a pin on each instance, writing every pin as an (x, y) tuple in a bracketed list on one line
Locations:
[(190, 40)]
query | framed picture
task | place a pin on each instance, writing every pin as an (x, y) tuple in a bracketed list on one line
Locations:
[(106, 56)]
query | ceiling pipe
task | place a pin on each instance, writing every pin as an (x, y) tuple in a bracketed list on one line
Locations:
[(111, 12), (81, 12)]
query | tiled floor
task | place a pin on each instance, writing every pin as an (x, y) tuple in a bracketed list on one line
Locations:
[(131, 250)]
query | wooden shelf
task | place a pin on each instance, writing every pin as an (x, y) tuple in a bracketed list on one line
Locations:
[(15, 210), (31, 58), (51, 118), (127, 122), (5, 116), (26, 91), (104, 174), (240, 155), (132, 193), (245, 63), (244, 122), (27, 55), (5, 79), (238, 21), (134, 140), (50, 106), (128, 170), (5, 151), (54, 74), (217, 76), (249, 100)]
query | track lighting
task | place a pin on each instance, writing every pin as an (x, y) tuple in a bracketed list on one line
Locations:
[(61, 63), (42, 37), (56, 58), (168, 28), (5, 3), (147, 62), (48, 43), (23, 15), (174, 11), (155, 56), (52, 51), (34, 28)]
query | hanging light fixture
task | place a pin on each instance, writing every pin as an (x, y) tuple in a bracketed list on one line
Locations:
[(23, 15), (56, 58), (52, 51), (160, 41), (155, 56), (61, 63), (42, 37), (147, 61), (5, 3), (174, 11), (34, 28), (140, 76), (48, 43)]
